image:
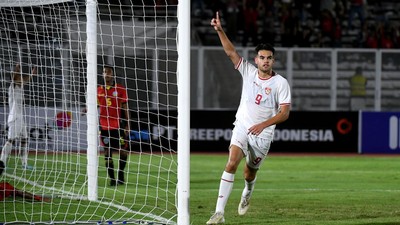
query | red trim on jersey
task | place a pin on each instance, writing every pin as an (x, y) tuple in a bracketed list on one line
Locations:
[(110, 100), (240, 62), (262, 78)]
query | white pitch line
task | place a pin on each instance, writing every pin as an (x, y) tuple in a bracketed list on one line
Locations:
[(71, 195), (306, 189)]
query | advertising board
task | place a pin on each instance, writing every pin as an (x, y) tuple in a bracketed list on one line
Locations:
[(380, 132)]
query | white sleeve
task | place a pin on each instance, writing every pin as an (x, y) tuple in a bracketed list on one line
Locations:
[(245, 68), (284, 96)]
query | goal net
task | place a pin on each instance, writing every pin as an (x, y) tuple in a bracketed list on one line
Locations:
[(57, 53)]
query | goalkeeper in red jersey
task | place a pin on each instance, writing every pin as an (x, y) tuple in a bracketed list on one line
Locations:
[(7, 190), (113, 103)]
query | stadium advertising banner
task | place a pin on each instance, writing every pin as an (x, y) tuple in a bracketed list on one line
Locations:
[(317, 132), (211, 131), (51, 129), (302, 132), (380, 132)]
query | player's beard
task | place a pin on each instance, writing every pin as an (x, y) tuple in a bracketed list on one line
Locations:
[(109, 81), (266, 69)]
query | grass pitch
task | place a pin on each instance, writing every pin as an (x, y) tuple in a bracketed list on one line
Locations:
[(290, 190), (304, 190)]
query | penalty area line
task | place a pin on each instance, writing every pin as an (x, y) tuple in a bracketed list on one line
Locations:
[(73, 196)]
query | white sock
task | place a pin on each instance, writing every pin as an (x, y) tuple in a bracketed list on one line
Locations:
[(225, 189), (5, 152), (248, 188), (24, 156)]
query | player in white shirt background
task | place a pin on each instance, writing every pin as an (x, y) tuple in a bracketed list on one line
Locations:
[(265, 102), (16, 121)]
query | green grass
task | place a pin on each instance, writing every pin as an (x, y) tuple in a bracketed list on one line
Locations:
[(304, 190), (290, 190), (149, 192)]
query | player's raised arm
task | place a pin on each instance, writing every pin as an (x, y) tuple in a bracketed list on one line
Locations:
[(226, 43), (19, 77), (16, 75), (33, 73)]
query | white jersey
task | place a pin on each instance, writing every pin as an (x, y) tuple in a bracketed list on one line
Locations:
[(15, 102), (261, 98)]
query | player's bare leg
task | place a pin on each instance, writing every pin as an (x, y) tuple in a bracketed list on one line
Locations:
[(24, 154), (5, 152)]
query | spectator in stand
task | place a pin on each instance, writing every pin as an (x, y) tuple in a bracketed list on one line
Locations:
[(215, 5), (386, 41), (358, 90), (232, 12), (314, 8), (198, 7), (381, 14), (357, 7), (286, 3), (288, 27), (250, 15), (372, 39), (384, 36), (268, 21), (362, 36), (269, 5), (327, 26), (326, 5), (337, 34), (396, 35), (303, 12), (340, 9), (304, 37), (318, 40)]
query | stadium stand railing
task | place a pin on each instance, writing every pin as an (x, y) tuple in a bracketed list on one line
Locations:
[(319, 77)]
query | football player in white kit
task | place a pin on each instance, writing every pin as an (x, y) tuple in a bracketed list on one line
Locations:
[(265, 102), (16, 122)]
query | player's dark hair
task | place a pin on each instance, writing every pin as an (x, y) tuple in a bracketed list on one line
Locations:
[(109, 67), (266, 46)]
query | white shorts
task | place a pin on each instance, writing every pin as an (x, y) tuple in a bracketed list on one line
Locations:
[(17, 130), (254, 148)]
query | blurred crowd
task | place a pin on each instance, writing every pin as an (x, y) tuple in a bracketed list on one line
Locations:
[(307, 23)]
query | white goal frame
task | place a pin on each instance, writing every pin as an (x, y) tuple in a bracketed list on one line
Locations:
[(183, 189), (183, 100)]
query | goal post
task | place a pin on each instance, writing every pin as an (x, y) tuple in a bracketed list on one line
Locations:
[(91, 99), (183, 112), (68, 43)]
